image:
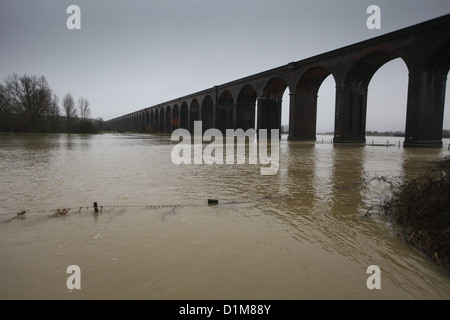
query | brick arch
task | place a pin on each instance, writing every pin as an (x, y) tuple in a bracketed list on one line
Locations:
[(194, 114), (351, 114), (225, 112), (303, 113), (162, 120), (362, 71), (175, 117), (246, 107), (269, 104), (184, 116), (168, 122), (207, 113)]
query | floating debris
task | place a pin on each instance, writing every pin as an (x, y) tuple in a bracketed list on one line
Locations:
[(173, 211), (60, 212), (123, 208), (21, 214)]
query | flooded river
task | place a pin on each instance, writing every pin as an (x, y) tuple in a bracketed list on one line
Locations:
[(300, 234)]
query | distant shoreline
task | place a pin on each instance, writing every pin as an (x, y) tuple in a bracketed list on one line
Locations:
[(400, 134)]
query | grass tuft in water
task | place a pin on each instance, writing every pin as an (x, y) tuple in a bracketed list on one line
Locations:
[(420, 206)]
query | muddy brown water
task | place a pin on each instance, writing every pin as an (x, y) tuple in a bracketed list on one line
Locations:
[(300, 234)]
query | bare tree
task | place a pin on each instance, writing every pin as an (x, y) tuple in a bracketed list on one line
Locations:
[(3, 101), (83, 106), (69, 109), (29, 98), (5, 112), (53, 121), (54, 110), (28, 104)]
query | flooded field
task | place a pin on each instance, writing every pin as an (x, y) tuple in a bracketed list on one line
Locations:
[(300, 234)]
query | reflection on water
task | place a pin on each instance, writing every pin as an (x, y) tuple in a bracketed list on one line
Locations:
[(301, 234)]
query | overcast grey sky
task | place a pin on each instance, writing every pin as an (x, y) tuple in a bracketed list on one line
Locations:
[(133, 54)]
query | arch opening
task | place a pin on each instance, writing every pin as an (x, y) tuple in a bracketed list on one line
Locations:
[(168, 124), (285, 110), (194, 114), (326, 105), (156, 127), (246, 108), (184, 116), (161, 120), (387, 96), (142, 122), (226, 112), (352, 96), (207, 113), (175, 117), (270, 105), (303, 117)]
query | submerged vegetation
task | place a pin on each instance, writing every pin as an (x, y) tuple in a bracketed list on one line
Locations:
[(420, 208)]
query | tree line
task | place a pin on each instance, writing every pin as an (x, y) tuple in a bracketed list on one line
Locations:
[(28, 104)]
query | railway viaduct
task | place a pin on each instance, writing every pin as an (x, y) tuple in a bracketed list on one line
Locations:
[(424, 48)]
